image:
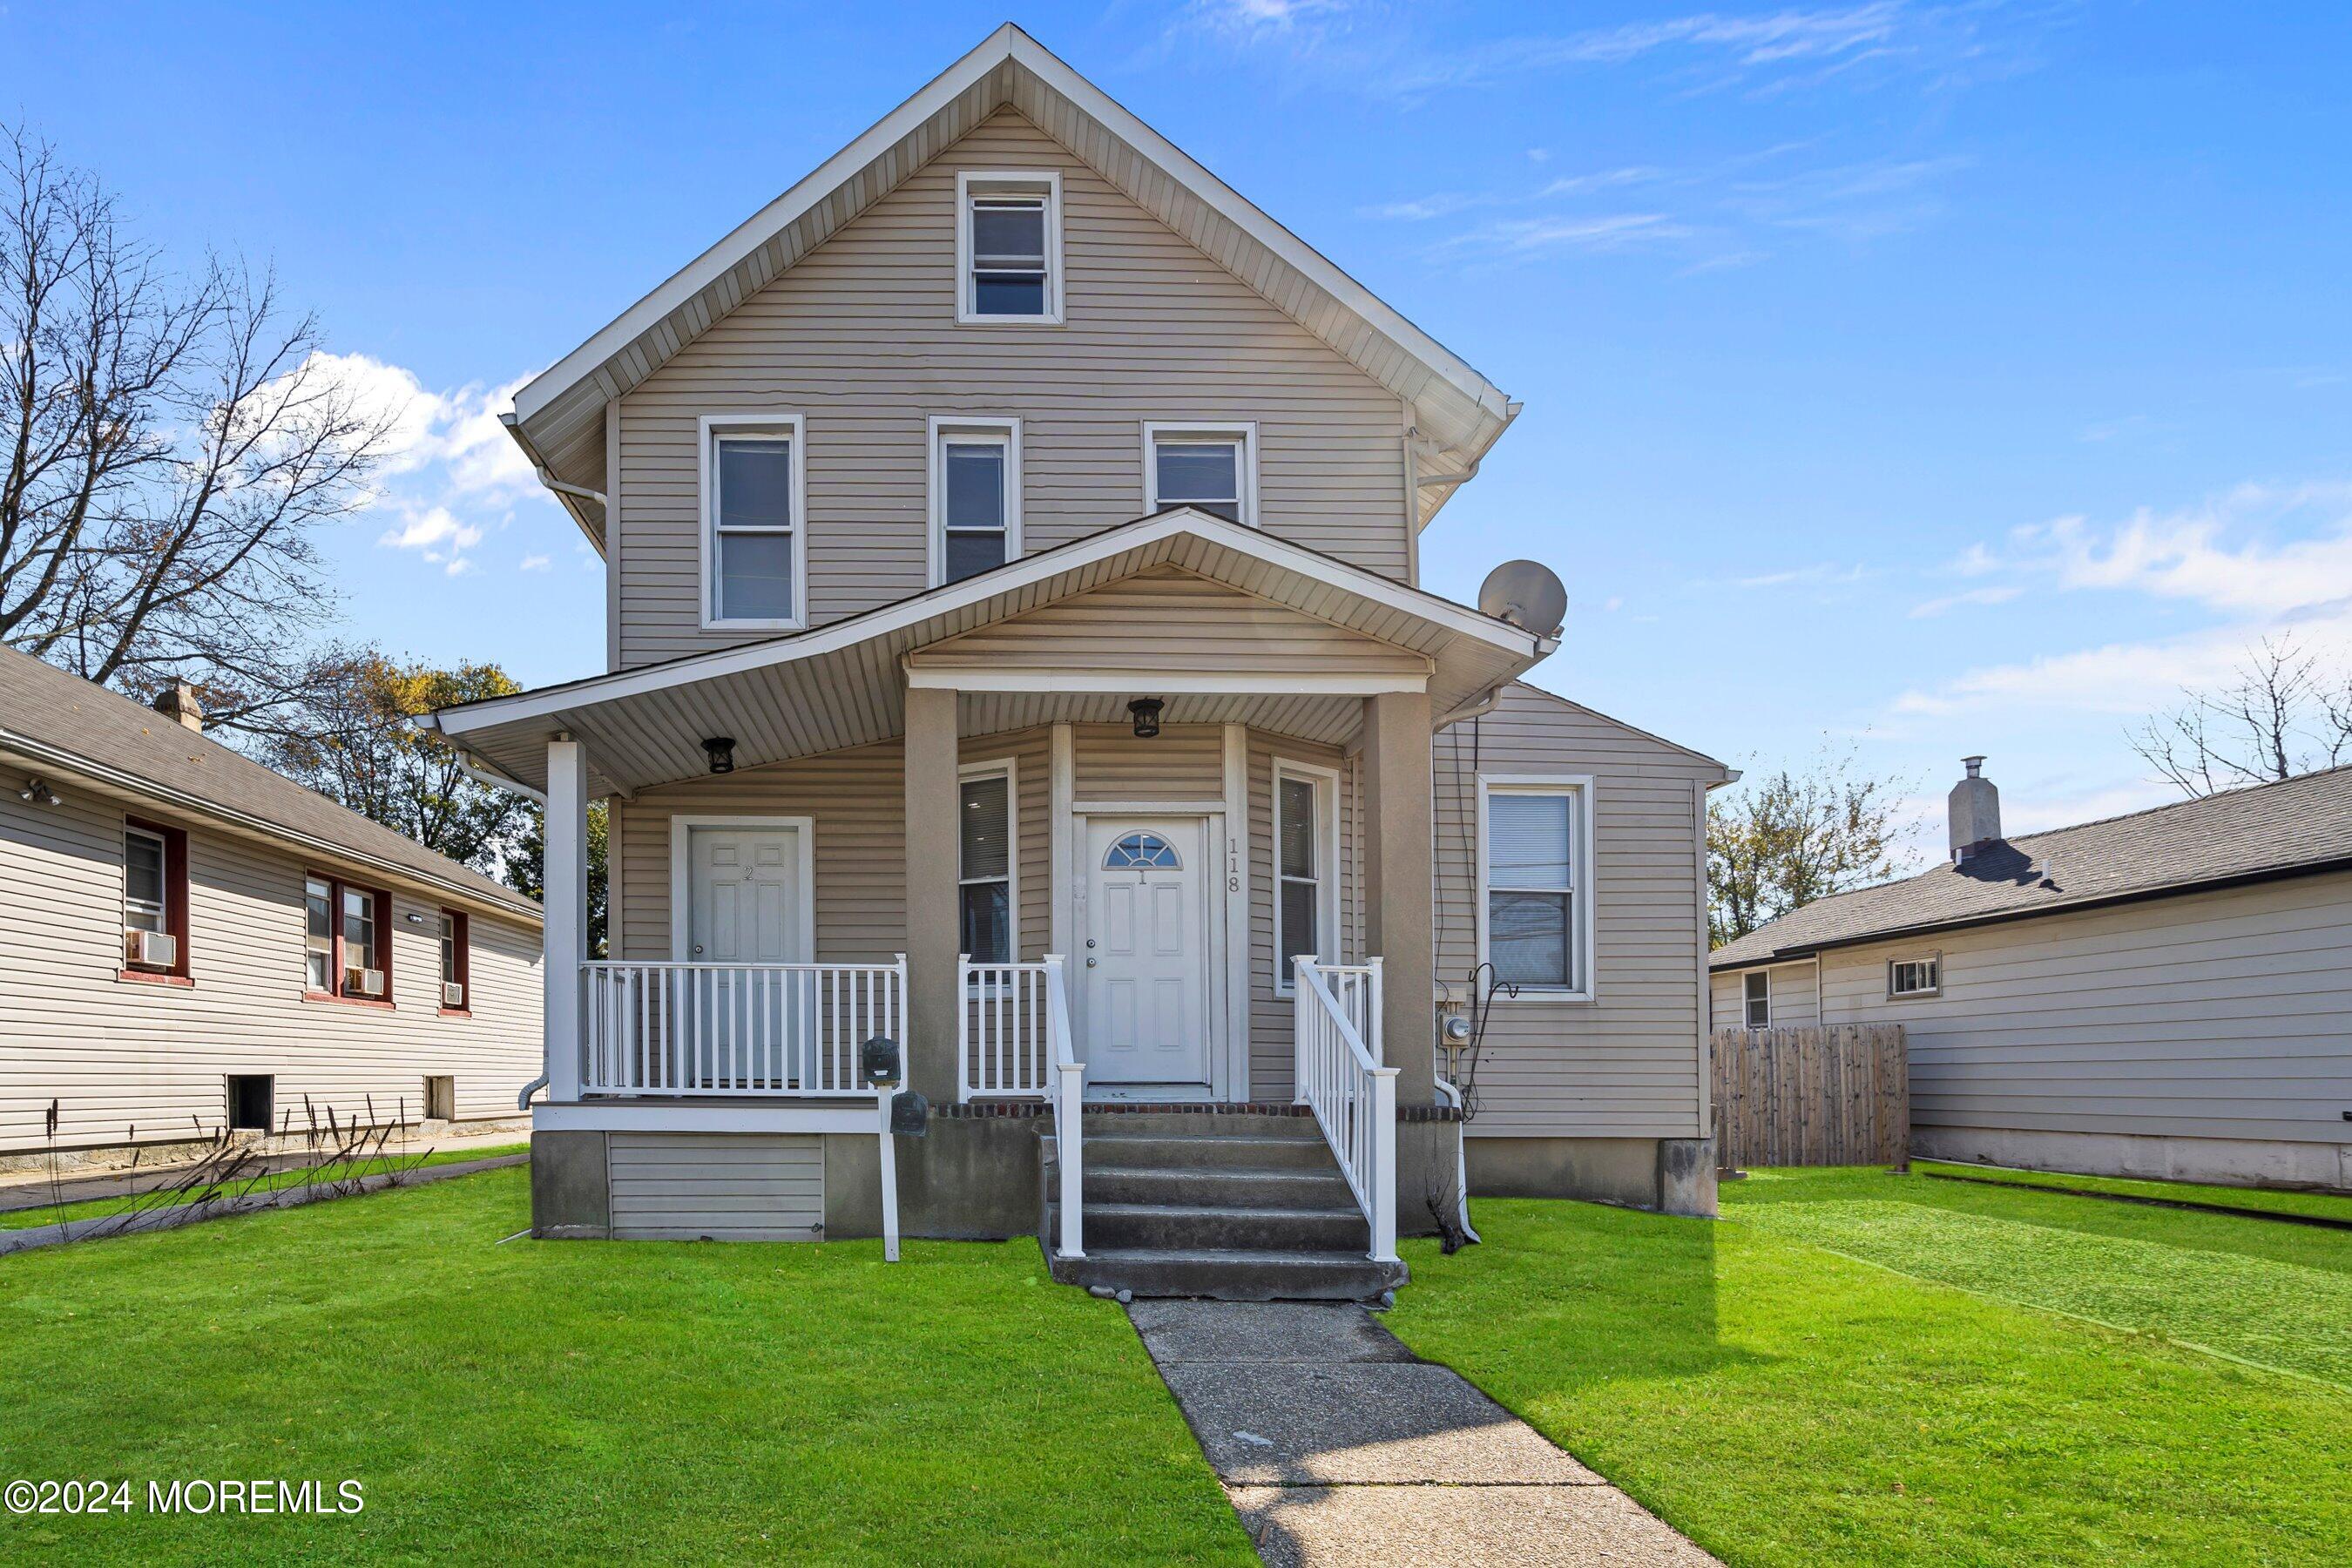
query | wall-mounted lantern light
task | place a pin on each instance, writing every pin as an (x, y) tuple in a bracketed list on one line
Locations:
[(721, 751), (38, 790), (1147, 716)]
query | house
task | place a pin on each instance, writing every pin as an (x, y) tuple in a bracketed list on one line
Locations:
[(1016, 650), (195, 943), (2166, 994)]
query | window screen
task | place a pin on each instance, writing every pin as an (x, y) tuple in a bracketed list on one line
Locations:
[(986, 853), (1299, 874), (752, 523), (1531, 888)]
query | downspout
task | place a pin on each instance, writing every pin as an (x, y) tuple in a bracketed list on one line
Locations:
[(564, 487)]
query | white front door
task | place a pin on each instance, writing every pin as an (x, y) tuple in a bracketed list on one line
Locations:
[(1145, 955), (743, 907)]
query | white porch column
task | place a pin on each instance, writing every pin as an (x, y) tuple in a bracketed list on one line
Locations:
[(566, 906)]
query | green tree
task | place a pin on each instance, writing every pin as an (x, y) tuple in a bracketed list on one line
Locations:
[(1778, 842), (526, 870), (352, 738)]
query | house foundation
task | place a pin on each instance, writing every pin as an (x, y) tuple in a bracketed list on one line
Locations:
[(1671, 1175)]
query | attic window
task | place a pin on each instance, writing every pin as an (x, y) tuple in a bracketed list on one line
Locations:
[(1009, 247)]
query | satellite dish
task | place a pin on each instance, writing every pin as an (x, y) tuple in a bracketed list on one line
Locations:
[(1528, 593)]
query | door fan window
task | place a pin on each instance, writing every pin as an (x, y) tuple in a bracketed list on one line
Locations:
[(1141, 852)]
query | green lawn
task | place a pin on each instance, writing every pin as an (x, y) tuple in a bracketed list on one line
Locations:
[(650, 1402), (98, 1208), (1856, 1367), (2322, 1205)]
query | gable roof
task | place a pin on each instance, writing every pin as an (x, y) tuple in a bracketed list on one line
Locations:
[(61, 721), (2299, 824), (559, 416)]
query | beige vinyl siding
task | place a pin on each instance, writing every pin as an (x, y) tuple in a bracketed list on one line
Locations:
[(682, 1186), (1627, 1064), (860, 337), (1794, 1003), (1169, 619), (2221, 1015), (126, 1059), (856, 801), (1272, 1046), (1182, 762)]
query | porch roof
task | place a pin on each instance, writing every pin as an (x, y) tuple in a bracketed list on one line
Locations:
[(844, 684)]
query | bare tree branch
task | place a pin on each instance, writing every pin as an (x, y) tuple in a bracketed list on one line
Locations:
[(2282, 714), (172, 445)]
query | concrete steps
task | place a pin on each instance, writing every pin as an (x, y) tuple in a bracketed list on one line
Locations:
[(1238, 1206)]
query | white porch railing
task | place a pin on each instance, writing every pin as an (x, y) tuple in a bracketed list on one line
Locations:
[(1352, 1095), (1357, 988), (1014, 1042), (737, 1029), (1001, 1031)]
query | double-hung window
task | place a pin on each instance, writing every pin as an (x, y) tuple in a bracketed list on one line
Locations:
[(1305, 906), (346, 940), (456, 963), (1915, 976), (1756, 999), (985, 872), (1537, 917), (975, 496), (1009, 247), (754, 493), (154, 901), (1211, 468)]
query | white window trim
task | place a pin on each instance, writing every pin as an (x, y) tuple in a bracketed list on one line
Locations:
[(1327, 893), (1048, 181), (1936, 990), (1583, 903), (1010, 768), (1746, 1021), (753, 423), (163, 877), (1242, 430), (942, 428)]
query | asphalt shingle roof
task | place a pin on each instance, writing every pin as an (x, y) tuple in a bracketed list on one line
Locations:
[(2274, 828), (82, 723)]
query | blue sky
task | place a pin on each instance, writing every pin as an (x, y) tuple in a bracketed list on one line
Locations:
[(1938, 378)]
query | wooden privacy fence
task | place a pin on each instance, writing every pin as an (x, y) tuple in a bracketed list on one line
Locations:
[(1835, 1096)]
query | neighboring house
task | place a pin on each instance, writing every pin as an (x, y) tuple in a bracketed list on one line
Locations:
[(194, 941), (1013, 540), (2167, 993)]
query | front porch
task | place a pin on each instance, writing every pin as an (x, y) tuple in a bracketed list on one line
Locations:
[(1139, 831)]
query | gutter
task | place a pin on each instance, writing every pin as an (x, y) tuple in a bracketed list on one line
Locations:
[(59, 757), (1803, 951), (1477, 708), (568, 496)]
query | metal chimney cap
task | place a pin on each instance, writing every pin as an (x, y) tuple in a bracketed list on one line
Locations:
[(1974, 765)]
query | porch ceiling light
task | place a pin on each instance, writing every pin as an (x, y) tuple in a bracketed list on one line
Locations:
[(1147, 716), (721, 751)]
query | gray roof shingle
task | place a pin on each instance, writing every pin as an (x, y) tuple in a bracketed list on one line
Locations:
[(109, 735), (2267, 829)]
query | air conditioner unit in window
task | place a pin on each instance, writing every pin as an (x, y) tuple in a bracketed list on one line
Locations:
[(150, 949), (452, 993), (368, 982)]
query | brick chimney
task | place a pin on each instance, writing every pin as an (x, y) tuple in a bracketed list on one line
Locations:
[(1975, 811), (178, 700)]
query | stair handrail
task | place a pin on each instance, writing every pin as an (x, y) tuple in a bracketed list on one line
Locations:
[(1069, 1108), (1353, 1098)]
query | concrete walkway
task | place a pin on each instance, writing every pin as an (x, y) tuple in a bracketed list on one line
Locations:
[(1338, 1446)]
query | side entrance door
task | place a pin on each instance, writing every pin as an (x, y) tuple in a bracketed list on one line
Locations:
[(1146, 955), (745, 1030)]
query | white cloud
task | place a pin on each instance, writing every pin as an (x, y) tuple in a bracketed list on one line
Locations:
[(1535, 236), (449, 472), (535, 564), (1821, 573)]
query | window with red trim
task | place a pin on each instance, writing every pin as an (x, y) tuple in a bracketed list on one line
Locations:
[(346, 940), (154, 901), (456, 963)]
